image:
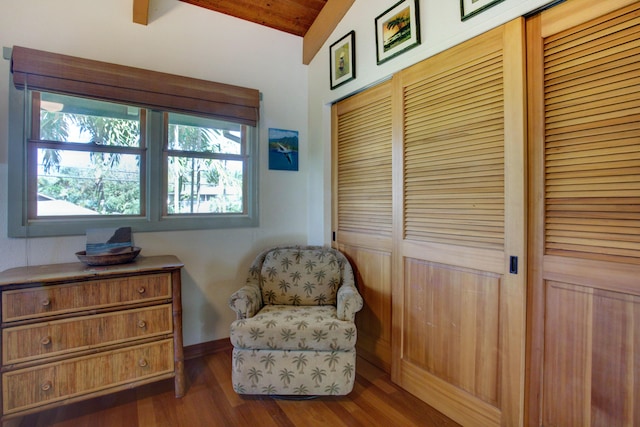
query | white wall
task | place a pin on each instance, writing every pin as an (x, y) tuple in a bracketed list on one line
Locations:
[(186, 40), (441, 28)]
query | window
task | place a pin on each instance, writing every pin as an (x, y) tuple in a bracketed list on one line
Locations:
[(80, 159), (205, 164), (87, 157)]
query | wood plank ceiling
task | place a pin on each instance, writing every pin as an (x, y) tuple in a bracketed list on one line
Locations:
[(314, 20), (291, 16)]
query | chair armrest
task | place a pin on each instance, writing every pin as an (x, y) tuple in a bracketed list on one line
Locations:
[(349, 301), (246, 301)]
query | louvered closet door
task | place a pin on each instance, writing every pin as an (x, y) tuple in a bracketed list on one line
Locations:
[(585, 177), (362, 216), (459, 319)]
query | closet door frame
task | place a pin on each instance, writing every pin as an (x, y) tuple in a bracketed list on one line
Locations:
[(448, 398), (366, 240), (559, 18)]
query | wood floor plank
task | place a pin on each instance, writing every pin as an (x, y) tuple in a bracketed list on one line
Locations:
[(373, 401), (359, 415), (146, 414), (375, 376), (210, 402), (267, 409), (312, 413), (220, 367)]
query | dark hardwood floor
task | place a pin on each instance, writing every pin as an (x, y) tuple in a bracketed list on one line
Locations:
[(210, 401)]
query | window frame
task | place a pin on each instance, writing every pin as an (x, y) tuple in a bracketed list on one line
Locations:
[(153, 215)]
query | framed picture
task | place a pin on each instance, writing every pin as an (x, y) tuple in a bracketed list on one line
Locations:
[(283, 149), (343, 60), (397, 30), (469, 8)]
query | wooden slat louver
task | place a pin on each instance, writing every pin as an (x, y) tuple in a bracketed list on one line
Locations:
[(364, 169), (592, 129), (454, 155)]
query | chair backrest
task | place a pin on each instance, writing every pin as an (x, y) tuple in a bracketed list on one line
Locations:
[(300, 276)]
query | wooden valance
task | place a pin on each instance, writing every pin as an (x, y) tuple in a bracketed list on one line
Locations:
[(48, 71)]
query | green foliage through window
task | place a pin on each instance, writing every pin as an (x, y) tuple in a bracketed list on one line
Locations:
[(205, 166), (75, 175)]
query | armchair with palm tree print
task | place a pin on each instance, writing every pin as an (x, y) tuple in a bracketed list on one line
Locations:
[(295, 332)]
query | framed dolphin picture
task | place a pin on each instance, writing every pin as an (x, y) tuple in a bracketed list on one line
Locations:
[(283, 149)]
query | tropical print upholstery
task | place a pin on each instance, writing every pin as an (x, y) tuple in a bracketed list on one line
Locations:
[(295, 330), (297, 277), (292, 372)]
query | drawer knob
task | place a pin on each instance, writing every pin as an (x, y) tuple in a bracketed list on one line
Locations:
[(142, 324), (46, 386), (142, 363), (141, 290), (46, 302), (45, 340)]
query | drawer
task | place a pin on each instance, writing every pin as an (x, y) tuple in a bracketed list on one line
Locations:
[(40, 340), (27, 388), (29, 303)]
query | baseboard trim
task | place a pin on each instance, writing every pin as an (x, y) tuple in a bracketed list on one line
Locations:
[(199, 350)]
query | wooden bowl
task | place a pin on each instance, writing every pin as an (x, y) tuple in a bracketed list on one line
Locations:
[(109, 259)]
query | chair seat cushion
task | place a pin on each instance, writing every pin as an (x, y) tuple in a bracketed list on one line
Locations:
[(298, 276), (286, 327)]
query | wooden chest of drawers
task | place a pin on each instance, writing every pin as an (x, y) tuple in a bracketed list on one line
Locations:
[(71, 332)]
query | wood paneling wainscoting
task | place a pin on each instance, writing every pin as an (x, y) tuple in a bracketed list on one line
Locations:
[(210, 401), (451, 321)]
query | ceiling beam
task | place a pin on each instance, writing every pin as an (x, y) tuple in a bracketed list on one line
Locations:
[(141, 11), (322, 27)]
